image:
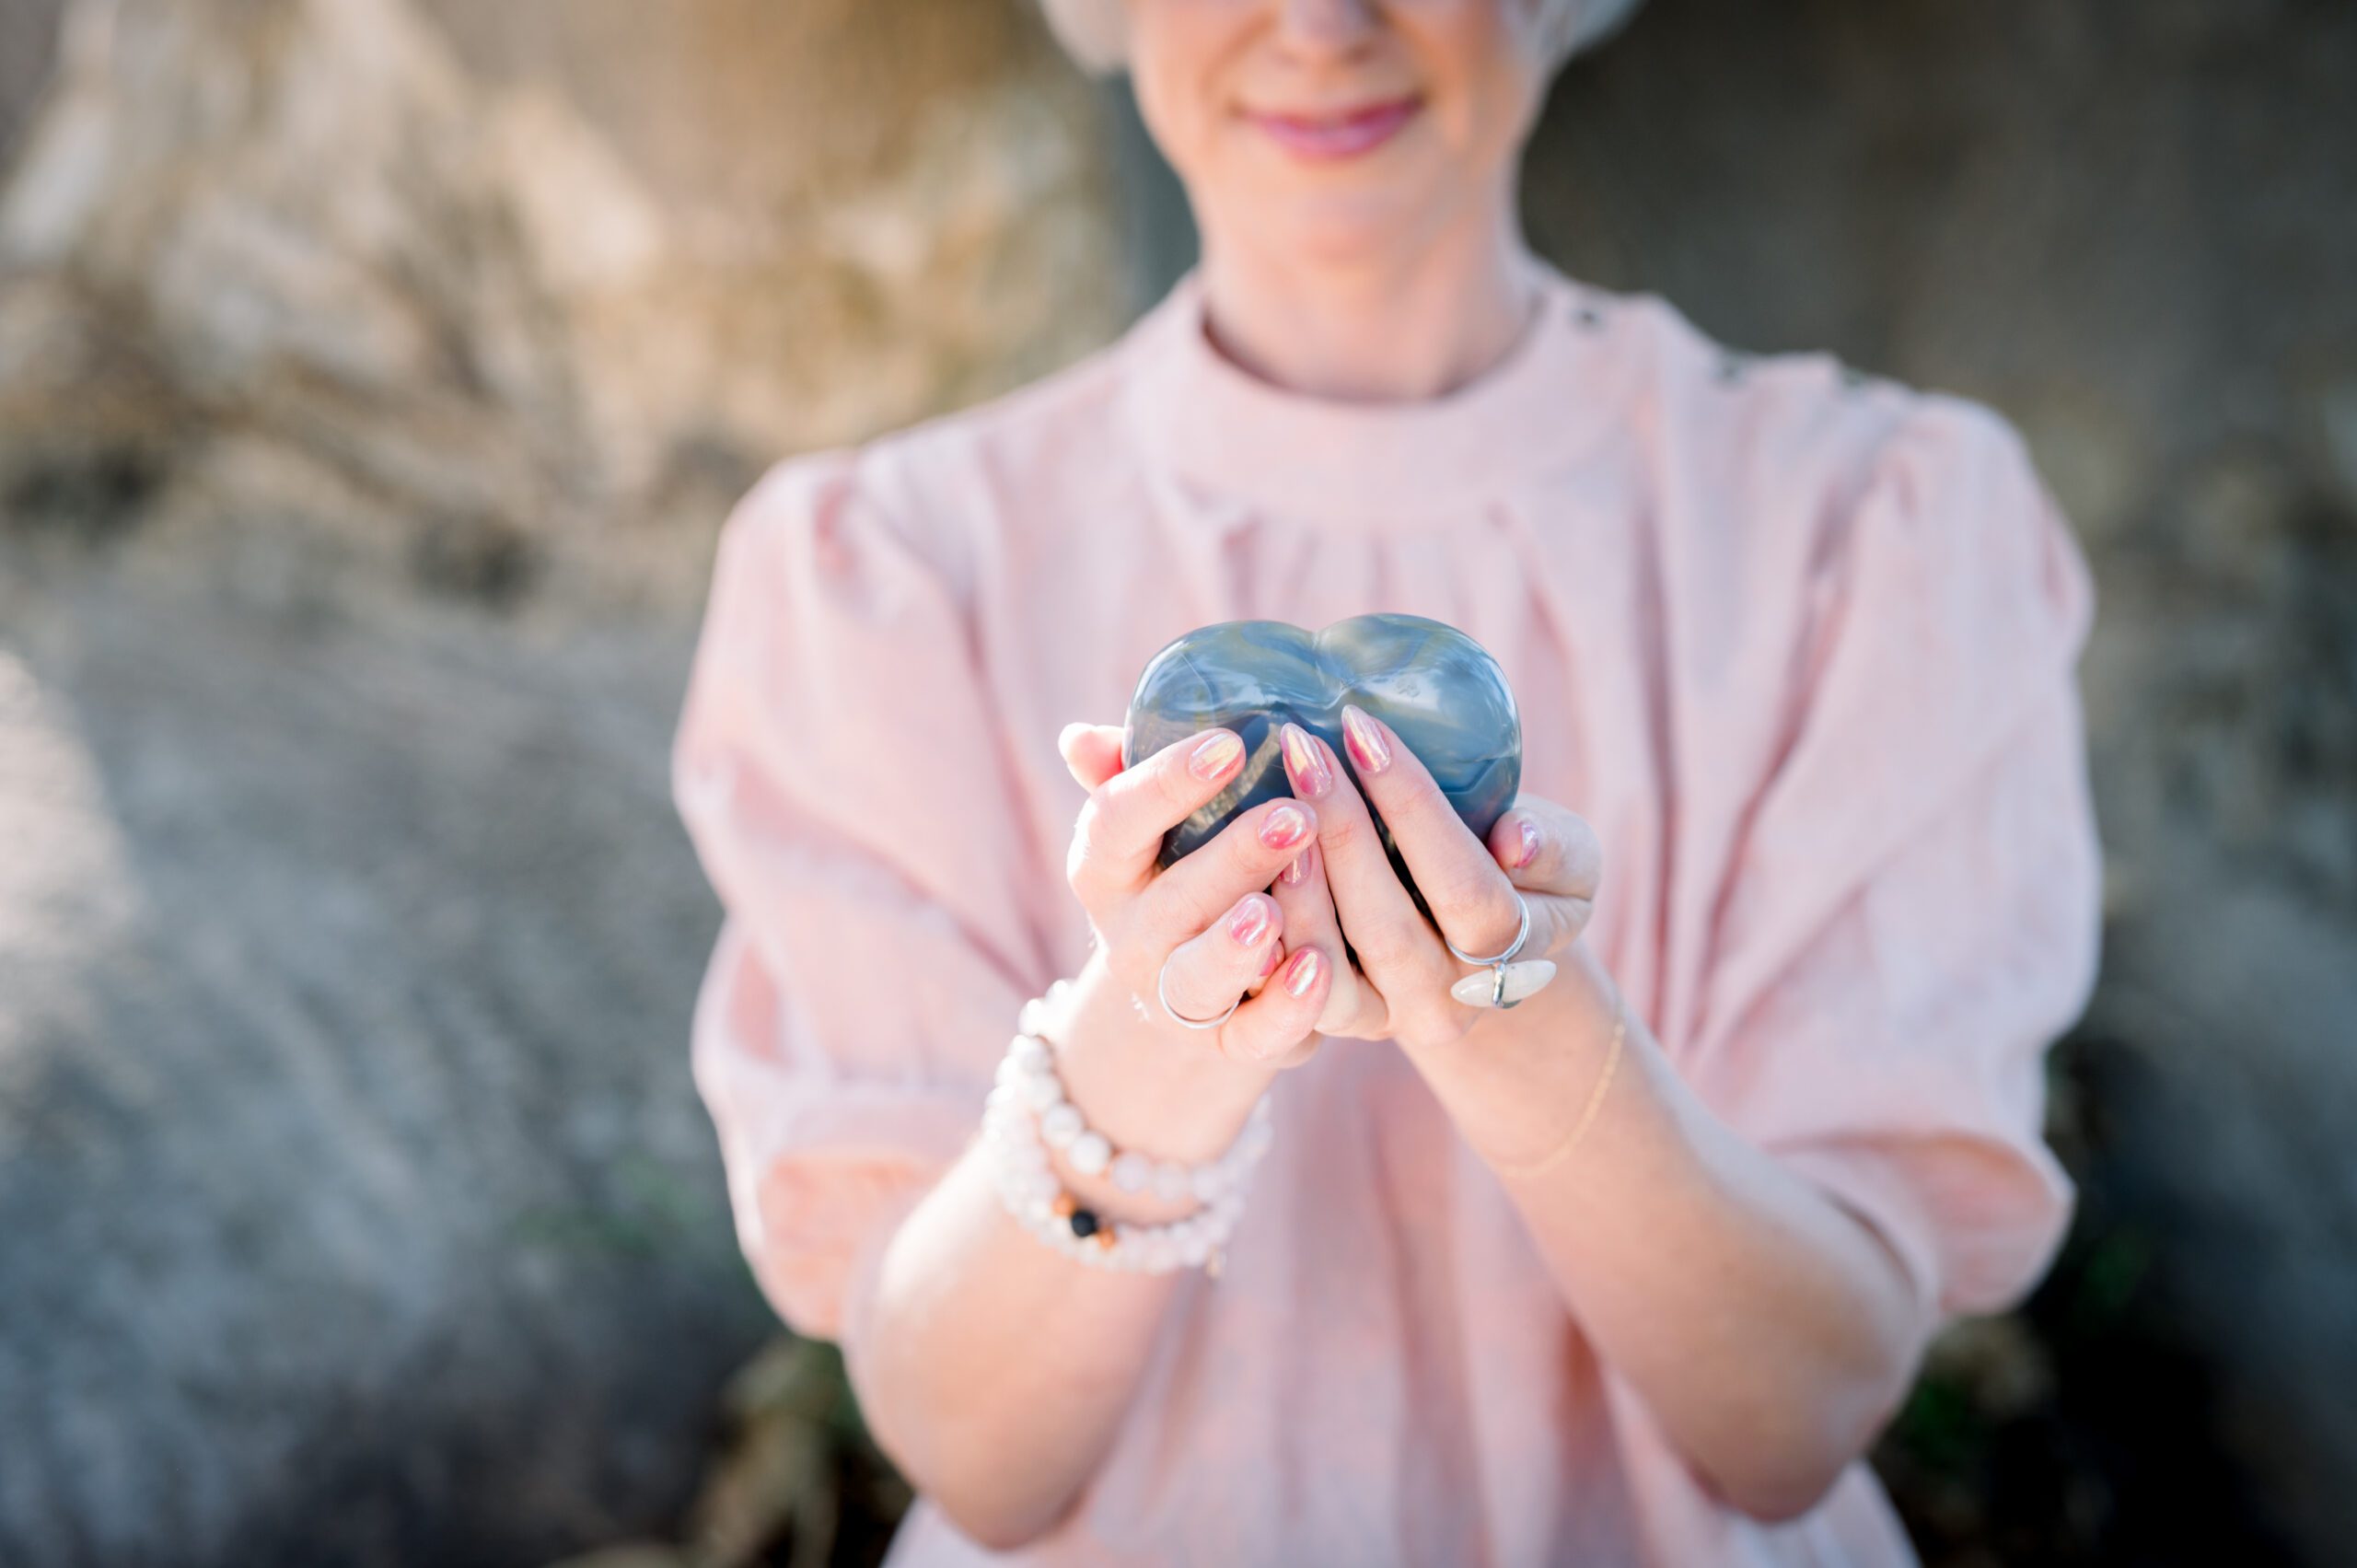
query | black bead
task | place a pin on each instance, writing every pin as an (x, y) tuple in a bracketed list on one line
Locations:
[(1084, 1224)]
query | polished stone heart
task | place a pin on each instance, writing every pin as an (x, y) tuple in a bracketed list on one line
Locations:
[(1437, 686)]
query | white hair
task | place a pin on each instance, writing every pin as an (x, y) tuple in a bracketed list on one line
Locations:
[(1095, 32)]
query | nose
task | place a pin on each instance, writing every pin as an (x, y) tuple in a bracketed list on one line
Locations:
[(1322, 28)]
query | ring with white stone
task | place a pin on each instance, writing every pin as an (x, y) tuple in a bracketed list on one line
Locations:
[(1508, 983)]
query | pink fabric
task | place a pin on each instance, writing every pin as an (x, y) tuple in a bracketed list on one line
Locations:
[(1803, 652)]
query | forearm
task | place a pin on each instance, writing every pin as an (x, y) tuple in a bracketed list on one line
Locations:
[(1770, 1331), (994, 1370)]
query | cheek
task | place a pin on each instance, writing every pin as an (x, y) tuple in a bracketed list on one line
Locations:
[(1175, 50), (1485, 81)]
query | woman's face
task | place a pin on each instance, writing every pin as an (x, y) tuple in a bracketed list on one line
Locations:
[(1338, 129)]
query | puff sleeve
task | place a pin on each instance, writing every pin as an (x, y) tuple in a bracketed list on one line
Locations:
[(1913, 913), (840, 774)]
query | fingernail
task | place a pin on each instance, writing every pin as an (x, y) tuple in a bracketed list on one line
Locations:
[(1284, 827), (1249, 921), (1368, 751), (1276, 951), (1217, 756), (1528, 835), (1301, 975), (1306, 765), (1296, 870)]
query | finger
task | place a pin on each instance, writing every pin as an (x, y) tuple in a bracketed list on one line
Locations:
[(1548, 848), (1120, 829), (1278, 1028), (1551, 852), (1207, 973), (1396, 949), (1091, 751), (1470, 899), (1353, 1008), (1243, 857)]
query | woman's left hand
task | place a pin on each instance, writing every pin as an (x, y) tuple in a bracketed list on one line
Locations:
[(1401, 989)]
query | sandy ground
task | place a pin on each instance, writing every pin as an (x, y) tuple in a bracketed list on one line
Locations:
[(357, 1204)]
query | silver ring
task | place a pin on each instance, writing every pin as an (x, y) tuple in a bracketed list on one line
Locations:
[(1497, 965), (1162, 996), (1521, 936)]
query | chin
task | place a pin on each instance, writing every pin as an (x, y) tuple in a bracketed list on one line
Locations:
[(1342, 230)]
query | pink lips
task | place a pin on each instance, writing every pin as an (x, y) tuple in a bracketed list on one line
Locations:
[(1338, 136)]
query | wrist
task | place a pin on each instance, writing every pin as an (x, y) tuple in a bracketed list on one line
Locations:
[(1510, 1084), (1145, 1085)]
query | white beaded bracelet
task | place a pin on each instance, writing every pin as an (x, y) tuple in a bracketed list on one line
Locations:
[(1024, 1172), (1029, 1069), (1029, 1191)]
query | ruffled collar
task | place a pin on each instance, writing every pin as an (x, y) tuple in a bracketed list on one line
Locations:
[(1232, 436)]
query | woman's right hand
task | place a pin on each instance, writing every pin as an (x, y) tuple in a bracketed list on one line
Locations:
[(1210, 915)]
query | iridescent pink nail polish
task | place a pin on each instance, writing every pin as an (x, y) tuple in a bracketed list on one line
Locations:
[(1284, 827), (1305, 764), (1217, 756), (1296, 870), (1526, 834), (1301, 975), (1249, 922), (1369, 752), (1268, 964)]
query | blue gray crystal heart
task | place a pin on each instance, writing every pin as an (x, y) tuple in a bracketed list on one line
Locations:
[(1437, 686)]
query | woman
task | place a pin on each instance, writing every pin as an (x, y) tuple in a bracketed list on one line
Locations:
[(1634, 1270)]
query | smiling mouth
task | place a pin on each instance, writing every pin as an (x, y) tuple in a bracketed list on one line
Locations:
[(1328, 136)]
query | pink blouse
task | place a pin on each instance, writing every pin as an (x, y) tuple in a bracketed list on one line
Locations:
[(1800, 645)]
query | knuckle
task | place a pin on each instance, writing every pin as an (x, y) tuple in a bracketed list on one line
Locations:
[(1196, 993), (1179, 912), (1387, 944), (1302, 1052), (1473, 895), (1173, 787), (1421, 798), (1249, 1037), (1347, 834), (1243, 1047)]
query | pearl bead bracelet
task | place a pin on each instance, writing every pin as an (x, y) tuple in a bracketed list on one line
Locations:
[(1029, 1069), (1028, 1189), (1028, 1115)]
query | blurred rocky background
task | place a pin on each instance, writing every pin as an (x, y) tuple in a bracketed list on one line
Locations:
[(374, 375)]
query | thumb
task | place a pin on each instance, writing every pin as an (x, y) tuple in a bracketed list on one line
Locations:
[(1093, 751)]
